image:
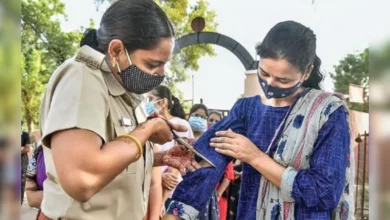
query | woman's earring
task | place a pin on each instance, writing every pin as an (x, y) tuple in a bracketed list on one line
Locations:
[(115, 64), (119, 69)]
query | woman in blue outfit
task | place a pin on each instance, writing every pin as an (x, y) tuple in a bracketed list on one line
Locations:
[(294, 141)]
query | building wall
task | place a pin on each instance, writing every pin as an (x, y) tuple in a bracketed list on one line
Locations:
[(251, 84)]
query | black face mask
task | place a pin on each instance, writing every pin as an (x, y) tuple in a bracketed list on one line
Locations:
[(276, 92), (137, 81)]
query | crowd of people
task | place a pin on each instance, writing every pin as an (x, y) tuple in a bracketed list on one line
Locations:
[(109, 146)]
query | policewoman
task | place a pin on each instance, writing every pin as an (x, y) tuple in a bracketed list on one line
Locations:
[(98, 144)]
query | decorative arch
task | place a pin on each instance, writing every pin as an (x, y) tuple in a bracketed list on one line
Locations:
[(221, 40)]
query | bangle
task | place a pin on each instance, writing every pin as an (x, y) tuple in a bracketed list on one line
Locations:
[(136, 141)]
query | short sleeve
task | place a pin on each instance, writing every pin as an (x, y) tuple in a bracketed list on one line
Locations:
[(78, 99), (188, 134)]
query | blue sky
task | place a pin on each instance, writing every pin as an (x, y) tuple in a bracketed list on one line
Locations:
[(341, 27)]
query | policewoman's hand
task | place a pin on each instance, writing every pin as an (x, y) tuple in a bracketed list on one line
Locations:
[(161, 130)]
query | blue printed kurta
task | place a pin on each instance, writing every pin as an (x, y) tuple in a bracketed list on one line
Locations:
[(258, 122)]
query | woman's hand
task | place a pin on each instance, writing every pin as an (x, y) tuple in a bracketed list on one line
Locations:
[(169, 181), (236, 146), (241, 148), (163, 211)]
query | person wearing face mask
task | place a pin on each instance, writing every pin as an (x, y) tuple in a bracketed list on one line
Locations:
[(198, 119), (214, 117), (165, 178), (97, 141), (293, 139)]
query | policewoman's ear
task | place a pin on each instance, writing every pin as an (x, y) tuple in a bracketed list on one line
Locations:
[(116, 51)]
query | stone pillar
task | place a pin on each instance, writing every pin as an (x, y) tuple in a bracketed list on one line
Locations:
[(251, 86)]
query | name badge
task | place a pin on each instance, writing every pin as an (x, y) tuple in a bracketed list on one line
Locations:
[(125, 122)]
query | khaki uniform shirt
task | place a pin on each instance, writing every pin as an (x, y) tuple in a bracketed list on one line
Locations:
[(83, 93)]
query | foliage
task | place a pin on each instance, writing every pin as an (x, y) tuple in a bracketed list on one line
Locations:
[(353, 69), (44, 47)]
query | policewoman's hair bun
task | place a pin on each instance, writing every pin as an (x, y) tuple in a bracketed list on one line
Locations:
[(138, 24), (90, 38)]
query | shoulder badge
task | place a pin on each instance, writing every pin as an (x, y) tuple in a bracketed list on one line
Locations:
[(90, 57)]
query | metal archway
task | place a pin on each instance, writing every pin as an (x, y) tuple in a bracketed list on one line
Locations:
[(221, 40)]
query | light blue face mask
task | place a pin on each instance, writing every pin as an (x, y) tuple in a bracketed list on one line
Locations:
[(150, 108), (198, 124)]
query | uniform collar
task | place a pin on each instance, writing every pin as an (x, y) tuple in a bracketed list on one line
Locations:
[(96, 60), (114, 86)]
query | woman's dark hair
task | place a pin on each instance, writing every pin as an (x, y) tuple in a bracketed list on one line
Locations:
[(195, 108), (139, 24), (217, 113), (174, 106), (296, 43)]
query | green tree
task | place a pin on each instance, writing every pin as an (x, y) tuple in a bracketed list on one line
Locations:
[(32, 86), (181, 13), (44, 47), (187, 105), (353, 69)]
